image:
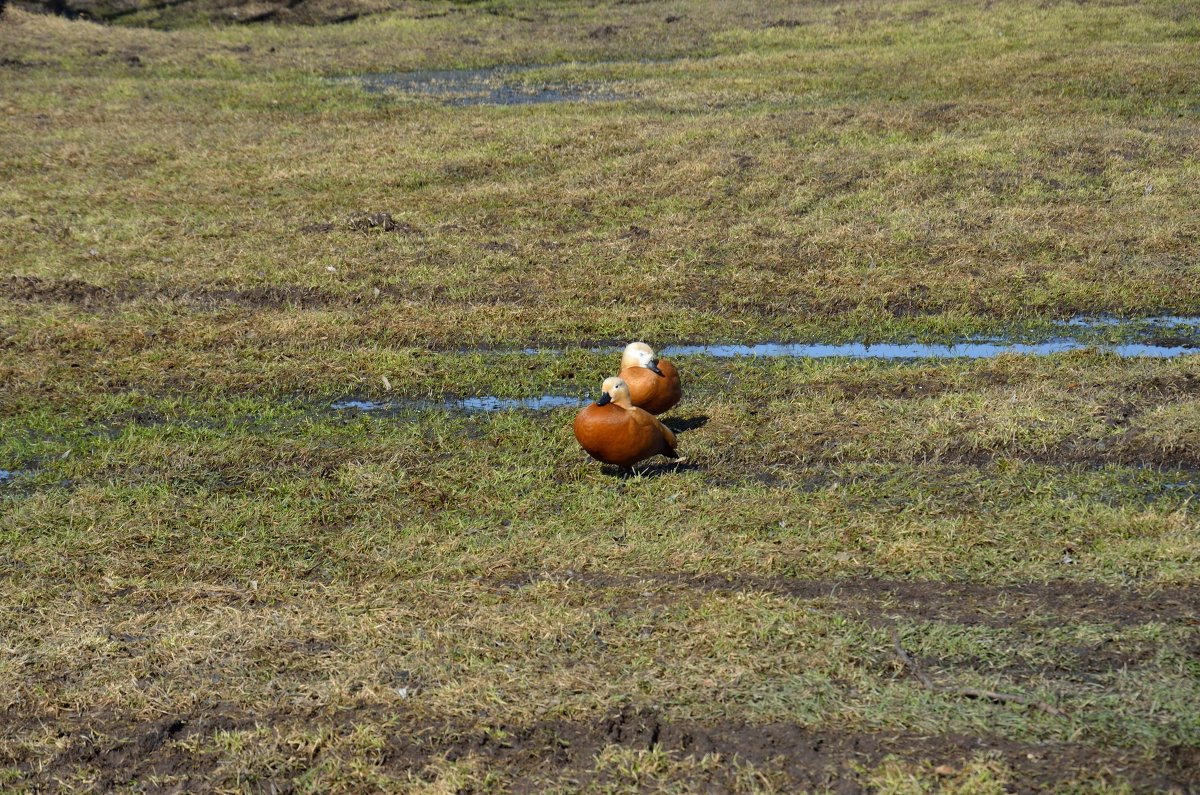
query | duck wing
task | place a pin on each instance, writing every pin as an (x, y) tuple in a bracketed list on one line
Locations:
[(663, 439), (668, 438)]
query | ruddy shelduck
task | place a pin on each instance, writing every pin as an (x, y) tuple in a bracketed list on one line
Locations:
[(615, 431), (653, 382)]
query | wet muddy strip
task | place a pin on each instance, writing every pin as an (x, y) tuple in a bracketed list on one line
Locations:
[(107, 748), (469, 405), (499, 85), (889, 600), (85, 294), (505, 84), (1166, 336)]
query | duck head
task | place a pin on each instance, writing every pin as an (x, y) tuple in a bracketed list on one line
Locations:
[(639, 354), (615, 391)]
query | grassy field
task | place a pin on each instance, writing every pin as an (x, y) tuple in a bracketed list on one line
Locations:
[(900, 577)]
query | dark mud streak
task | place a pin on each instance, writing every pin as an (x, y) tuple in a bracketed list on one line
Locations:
[(1090, 664), (70, 291), (479, 87), (805, 757), (74, 292), (808, 470), (1096, 454), (85, 294), (113, 749), (959, 603), (139, 9)]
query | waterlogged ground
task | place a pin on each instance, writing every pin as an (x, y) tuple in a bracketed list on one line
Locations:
[(503, 85), (289, 499)]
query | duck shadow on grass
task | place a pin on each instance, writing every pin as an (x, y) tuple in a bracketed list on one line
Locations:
[(683, 424), (653, 470)]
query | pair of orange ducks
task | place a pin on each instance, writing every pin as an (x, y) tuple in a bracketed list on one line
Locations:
[(621, 427)]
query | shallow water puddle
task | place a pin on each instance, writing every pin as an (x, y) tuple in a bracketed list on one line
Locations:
[(913, 350), (907, 351), (498, 85), (470, 405), (542, 402), (1159, 322), (1164, 337)]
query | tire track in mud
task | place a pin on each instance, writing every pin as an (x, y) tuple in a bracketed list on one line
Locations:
[(80, 293), (1156, 339), (109, 749), (878, 600), (94, 297)]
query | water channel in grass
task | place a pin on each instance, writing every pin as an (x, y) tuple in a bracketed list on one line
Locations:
[(1163, 337), (482, 403)]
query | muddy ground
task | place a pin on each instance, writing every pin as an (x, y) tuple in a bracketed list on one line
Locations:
[(531, 757)]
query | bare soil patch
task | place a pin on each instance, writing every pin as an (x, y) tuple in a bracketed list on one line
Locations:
[(70, 291), (380, 221)]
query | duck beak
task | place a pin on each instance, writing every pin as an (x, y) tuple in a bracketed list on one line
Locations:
[(653, 367), (604, 399)]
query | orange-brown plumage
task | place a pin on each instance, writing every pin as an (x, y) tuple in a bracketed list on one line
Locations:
[(653, 392), (617, 432), (653, 382)]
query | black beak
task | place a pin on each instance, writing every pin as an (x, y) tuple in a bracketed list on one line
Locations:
[(604, 399), (653, 367)]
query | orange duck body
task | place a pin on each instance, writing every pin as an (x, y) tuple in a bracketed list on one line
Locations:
[(619, 433), (653, 392)]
